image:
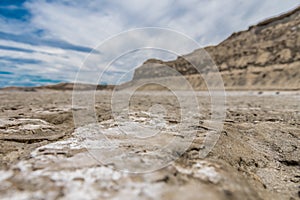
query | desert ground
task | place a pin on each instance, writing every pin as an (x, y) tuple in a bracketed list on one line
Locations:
[(44, 156)]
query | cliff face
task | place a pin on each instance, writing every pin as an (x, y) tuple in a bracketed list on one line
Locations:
[(274, 41), (266, 56)]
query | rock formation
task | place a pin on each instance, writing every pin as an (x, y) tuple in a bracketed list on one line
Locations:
[(266, 56)]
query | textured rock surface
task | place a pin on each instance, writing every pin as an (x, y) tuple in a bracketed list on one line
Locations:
[(256, 157), (265, 56)]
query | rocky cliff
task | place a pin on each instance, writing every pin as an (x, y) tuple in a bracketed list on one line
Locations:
[(266, 56)]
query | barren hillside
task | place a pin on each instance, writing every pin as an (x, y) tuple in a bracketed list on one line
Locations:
[(266, 56)]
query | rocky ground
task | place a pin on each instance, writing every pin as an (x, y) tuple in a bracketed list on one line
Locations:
[(43, 155)]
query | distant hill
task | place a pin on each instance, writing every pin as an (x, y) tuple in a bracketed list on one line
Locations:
[(60, 87), (266, 56)]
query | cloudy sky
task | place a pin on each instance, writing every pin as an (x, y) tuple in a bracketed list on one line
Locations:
[(46, 41)]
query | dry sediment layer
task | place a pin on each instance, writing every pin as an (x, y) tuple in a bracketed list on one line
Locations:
[(256, 156)]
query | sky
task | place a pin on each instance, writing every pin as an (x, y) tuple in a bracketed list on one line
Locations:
[(47, 41)]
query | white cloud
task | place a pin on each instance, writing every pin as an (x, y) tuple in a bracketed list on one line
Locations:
[(14, 26), (55, 63), (88, 23), (77, 24)]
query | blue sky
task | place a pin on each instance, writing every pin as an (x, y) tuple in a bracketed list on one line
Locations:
[(46, 41)]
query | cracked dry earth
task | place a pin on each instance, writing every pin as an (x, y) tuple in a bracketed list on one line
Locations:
[(43, 156)]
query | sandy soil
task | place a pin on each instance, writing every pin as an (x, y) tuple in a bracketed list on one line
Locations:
[(43, 155)]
